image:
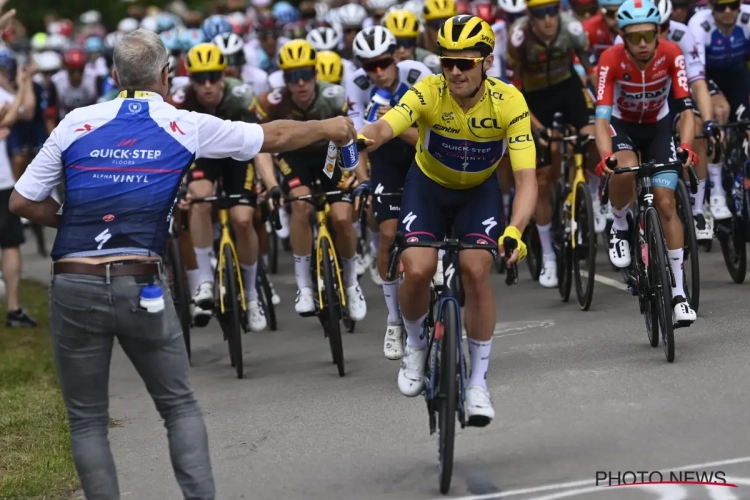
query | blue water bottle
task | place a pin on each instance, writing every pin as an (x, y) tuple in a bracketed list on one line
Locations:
[(152, 298)]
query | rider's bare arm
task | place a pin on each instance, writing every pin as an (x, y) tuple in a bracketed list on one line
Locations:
[(699, 91), (379, 132), (264, 165), (524, 203)]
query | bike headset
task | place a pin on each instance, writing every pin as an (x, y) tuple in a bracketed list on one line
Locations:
[(465, 32), (638, 12)]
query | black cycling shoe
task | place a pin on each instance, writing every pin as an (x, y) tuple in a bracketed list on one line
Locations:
[(19, 319)]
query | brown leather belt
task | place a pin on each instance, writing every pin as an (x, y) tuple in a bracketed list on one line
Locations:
[(108, 269)]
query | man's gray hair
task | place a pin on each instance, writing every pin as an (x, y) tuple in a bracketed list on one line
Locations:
[(139, 59)]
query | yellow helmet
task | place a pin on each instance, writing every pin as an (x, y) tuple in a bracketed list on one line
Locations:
[(329, 66), (434, 10), (530, 4), (402, 23), (205, 57), (296, 54), (466, 32)]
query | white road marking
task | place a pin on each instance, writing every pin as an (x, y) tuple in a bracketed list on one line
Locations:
[(511, 328), (590, 482), (607, 281)]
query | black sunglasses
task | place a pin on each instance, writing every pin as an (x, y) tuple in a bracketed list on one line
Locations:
[(721, 7), (295, 75), (542, 12), (406, 43), (462, 63), (379, 65), (208, 76)]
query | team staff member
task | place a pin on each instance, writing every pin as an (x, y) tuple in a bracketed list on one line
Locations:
[(229, 99), (461, 111), (303, 98), (108, 246)]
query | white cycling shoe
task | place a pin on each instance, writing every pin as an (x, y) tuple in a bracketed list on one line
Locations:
[(355, 303), (619, 248), (684, 315), (411, 373), (304, 303), (393, 343), (548, 276), (201, 317), (204, 296), (479, 408), (703, 231), (719, 208), (256, 317)]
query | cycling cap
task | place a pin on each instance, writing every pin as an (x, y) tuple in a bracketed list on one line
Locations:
[(402, 23), (329, 66), (466, 32), (373, 42), (296, 54), (637, 12), (205, 57)]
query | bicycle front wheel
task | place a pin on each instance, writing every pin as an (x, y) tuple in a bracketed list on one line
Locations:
[(584, 254), (447, 392), (732, 241), (232, 299), (273, 250), (332, 309), (534, 245), (690, 265), (265, 296), (660, 281), (178, 287)]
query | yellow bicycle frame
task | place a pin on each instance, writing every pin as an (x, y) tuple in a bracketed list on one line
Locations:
[(323, 234), (578, 178), (226, 239)]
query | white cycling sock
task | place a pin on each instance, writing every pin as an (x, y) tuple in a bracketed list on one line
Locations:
[(479, 353), (620, 222), (374, 240), (249, 274), (203, 258), (415, 334), (349, 272), (390, 292), (699, 197), (675, 260), (594, 186), (714, 173), (194, 280), (302, 271), (545, 237)]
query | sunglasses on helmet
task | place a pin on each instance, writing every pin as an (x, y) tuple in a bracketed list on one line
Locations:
[(542, 12), (295, 75), (208, 76), (462, 63), (378, 65)]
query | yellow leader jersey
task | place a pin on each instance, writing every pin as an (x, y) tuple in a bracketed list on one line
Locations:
[(461, 150)]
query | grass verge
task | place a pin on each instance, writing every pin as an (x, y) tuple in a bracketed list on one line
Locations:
[(35, 459)]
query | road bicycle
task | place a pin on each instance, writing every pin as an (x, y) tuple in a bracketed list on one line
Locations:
[(177, 280), (230, 304), (574, 234), (649, 275), (329, 291), (445, 366)]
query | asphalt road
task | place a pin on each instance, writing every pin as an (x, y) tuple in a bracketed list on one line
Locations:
[(575, 393)]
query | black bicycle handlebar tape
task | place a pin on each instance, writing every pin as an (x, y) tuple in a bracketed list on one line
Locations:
[(393, 256), (510, 245), (275, 217)]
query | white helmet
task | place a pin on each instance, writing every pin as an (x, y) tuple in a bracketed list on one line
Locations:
[(261, 3), (373, 42), (321, 10), (665, 10), (380, 5), (48, 61), (127, 25), (512, 6), (324, 38), (90, 17), (150, 23), (352, 15), (57, 42), (229, 43)]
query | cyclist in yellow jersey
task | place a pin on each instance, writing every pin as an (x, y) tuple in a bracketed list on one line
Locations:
[(465, 121)]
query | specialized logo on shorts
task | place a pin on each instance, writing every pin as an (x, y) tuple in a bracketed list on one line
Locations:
[(410, 217), (488, 225)]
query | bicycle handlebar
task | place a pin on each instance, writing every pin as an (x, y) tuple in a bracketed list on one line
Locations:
[(511, 276), (312, 198)]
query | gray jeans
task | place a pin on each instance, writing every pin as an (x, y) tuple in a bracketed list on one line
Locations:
[(86, 314)]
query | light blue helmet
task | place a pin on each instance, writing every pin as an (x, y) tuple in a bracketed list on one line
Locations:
[(93, 44), (284, 13), (190, 38), (637, 12), (165, 21), (610, 3), (215, 26), (172, 41)]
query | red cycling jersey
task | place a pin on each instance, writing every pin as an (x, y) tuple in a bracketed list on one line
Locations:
[(600, 38), (633, 95)]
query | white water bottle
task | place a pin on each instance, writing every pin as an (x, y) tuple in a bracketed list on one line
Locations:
[(152, 298), (381, 98)]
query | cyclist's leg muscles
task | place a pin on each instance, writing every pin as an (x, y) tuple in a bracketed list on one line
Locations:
[(239, 180), (296, 181), (622, 187), (721, 115), (200, 180)]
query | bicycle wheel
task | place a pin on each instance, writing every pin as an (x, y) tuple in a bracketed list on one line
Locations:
[(646, 300), (534, 246), (231, 300), (178, 287), (732, 241), (273, 249), (332, 309), (265, 296), (690, 266), (584, 257), (661, 283), (447, 391)]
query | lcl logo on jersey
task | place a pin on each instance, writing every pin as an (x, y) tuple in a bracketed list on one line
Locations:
[(484, 123)]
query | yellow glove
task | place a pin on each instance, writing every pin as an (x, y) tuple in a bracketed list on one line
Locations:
[(513, 232)]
